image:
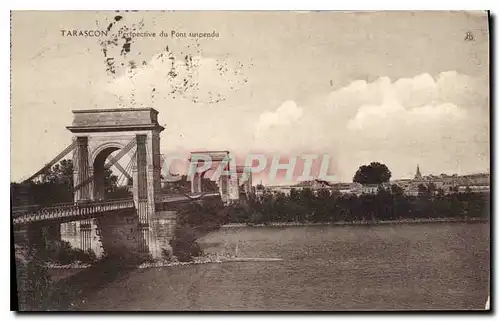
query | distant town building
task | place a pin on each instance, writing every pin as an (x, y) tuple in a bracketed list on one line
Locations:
[(314, 185), (347, 188), (447, 183), (418, 175), (370, 188)]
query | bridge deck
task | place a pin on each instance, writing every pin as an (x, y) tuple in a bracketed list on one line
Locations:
[(77, 211)]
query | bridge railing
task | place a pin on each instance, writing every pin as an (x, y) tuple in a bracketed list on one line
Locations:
[(33, 208), (167, 198), (75, 210), (29, 214), (19, 210)]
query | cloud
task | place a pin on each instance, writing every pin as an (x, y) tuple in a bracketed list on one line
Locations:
[(439, 122), (286, 114), (418, 101)]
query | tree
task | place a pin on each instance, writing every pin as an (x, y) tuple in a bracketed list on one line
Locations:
[(56, 186), (397, 190), (194, 221), (183, 185), (61, 173), (431, 189), (427, 190), (422, 190), (375, 173)]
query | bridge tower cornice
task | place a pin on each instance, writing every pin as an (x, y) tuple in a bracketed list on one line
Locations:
[(113, 120)]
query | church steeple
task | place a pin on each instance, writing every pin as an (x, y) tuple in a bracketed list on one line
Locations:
[(417, 174)]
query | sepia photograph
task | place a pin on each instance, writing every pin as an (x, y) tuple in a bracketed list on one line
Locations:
[(250, 161)]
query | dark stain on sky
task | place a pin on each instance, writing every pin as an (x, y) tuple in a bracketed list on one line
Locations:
[(126, 46), (181, 85), (115, 40)]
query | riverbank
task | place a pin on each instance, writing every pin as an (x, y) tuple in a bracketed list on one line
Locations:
[(159, 263), (345, 223), (210, 258)]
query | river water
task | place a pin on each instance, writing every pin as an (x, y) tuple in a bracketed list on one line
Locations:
[(324, 268)]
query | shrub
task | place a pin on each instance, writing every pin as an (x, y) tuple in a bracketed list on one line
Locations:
[(61, 252), (167, 254), (184, 245), (193, 222), (32, 283)]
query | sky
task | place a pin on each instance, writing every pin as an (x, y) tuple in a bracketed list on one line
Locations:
[(401, 88)]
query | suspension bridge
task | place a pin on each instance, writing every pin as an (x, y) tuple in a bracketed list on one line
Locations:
[(143, 222)]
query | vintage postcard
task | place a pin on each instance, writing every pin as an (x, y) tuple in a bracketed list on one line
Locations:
[(250, 160)]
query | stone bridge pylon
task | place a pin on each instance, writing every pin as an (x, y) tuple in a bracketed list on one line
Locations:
[(135, 135), (224, 172)]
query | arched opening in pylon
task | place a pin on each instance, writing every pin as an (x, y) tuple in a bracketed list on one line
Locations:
[(107, 183), (210, 180)]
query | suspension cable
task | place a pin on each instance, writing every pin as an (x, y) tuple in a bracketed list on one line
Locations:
[(47, 166), (130, 166), (125, 174), (122, 152), (119, 167)]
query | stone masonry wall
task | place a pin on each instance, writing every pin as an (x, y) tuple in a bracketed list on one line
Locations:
[(119, 233), (164, 228)]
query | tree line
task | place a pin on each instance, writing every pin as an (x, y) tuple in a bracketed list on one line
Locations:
[(327, 206)]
